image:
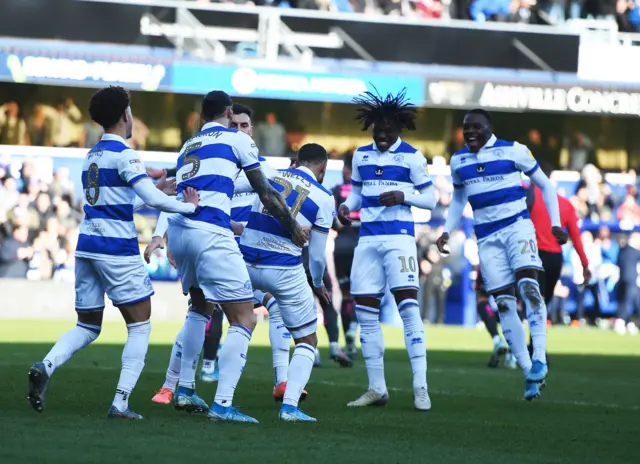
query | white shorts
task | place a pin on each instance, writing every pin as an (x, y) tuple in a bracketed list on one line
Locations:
[(377, 263), (212, 263), (124, 283), (507, 251), (293, 294)]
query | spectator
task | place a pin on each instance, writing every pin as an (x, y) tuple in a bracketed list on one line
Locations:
[(13, 129), (610, 248), (490, 10), (23, 214), (8, 194), (91, 134), (62, 186), (65, 119), (270, 136), (39, 128), (581, 152), (629, 211), (629, 286), (43, 208), (15, 254)]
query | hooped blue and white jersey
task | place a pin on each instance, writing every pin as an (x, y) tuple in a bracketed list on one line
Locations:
[(210, 162), (109, 172), (492, 180), (401, 168), (265, 242), (242, 202)]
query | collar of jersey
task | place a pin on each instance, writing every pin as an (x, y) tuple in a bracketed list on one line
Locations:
[(114, 137), (209, 125), (391, 149), (307, 171), (490, 143)]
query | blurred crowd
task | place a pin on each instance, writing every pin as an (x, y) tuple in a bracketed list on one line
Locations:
[(61, 124), (626, 13)]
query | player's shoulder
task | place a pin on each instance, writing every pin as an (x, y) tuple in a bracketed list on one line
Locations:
[(406, 149), (363, 151)]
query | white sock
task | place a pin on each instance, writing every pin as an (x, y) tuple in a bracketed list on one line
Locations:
[(208, 365), (70, 342), (133, 355), (334, 347), (536, 316), (299, 372), (353, 326), (513, 331), (496, 339), (231, 363), (192, 341), (173, 371), (414, 339), (280, 339), (372, 346)]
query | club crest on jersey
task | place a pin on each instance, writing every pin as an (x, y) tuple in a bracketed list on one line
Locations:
[(480, 168), (398, 158), (379, 171)]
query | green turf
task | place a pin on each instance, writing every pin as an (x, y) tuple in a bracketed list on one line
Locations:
[(589, 413)]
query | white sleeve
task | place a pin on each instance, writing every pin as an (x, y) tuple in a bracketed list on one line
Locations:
[(456, 208), (524, 160), (317, 256), (162, 225), (455, 178), (153, 197), (549, 195), (354, 200), (426, 199), (356, 180), (246, 151), (138, 203), (418, 171), (131, 168), (325, 216)]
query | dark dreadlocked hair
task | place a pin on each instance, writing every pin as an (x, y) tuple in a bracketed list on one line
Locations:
[(392, 109)]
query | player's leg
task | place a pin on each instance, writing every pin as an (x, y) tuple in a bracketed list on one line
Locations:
[(213, 335), (499, 280), (298, 309), (189, 248), (89, 307), (343, 259), (368, 286), (172, 376), (228, 284), (490, 319), (401, 267)]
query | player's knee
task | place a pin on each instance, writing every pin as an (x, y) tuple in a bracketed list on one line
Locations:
[(503, 303), (402, 295), (311, 339), (369, 301), (530, 291)]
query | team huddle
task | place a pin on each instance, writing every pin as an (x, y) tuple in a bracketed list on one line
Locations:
[(242, 234)]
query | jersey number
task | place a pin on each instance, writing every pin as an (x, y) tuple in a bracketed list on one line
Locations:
[(93, 175), (191, 159), (528, 245), (288, 190), (403, 263)]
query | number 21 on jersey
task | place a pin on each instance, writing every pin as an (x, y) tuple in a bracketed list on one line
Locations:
[(288, 190)]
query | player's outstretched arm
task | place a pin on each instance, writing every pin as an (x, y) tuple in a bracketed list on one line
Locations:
[(153, 197), (276, 206), (352, 203)]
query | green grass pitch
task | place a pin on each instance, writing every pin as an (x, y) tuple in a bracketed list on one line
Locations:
[(589, 413)]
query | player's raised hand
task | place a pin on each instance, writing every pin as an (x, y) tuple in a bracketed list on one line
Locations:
[(167, 186), (322, 294), (156, 242), (442, 242), (300, 235), (393, 198), (191, 196), (343, 215), (560, 234), (156, 173)]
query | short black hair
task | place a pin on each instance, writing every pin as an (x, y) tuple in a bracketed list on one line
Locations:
[(214, 104), (312, 153), (239, 108), (392, 109), (482, 112), (107, 106)]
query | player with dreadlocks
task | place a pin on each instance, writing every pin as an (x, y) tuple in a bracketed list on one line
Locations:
[(385, 178)]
